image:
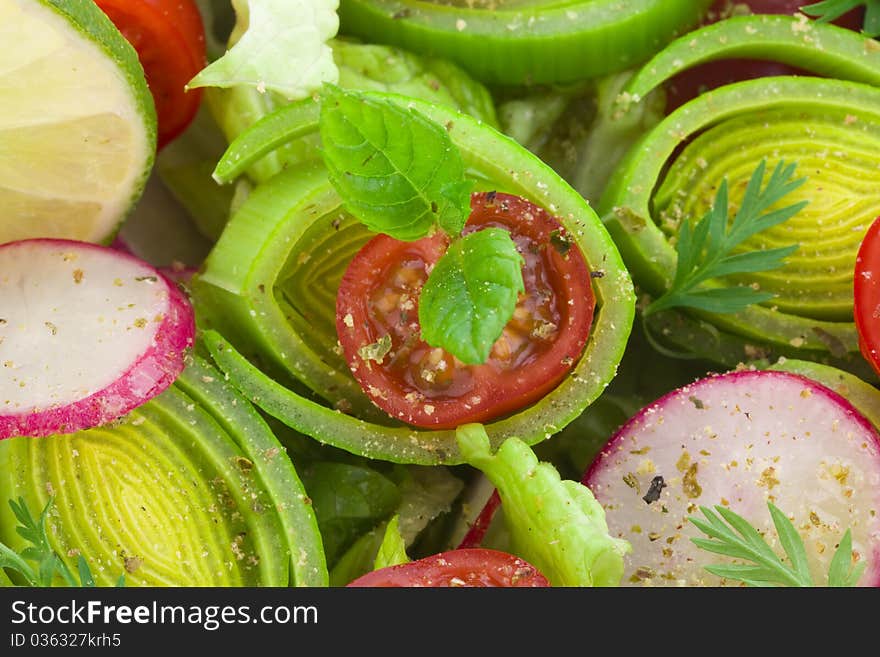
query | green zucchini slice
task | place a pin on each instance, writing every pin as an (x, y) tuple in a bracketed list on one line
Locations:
[(829, 126), (520, 42), (190, 489), (268, 289)]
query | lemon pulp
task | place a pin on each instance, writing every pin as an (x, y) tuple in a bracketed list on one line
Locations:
[(77, 123)]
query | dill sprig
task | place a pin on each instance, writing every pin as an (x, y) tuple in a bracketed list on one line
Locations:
[(830, 10), (46, 562), (732, 535), (706, 251)]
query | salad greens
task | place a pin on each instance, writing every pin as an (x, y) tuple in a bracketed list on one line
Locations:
[(326, 123), (556, 524), (393, 549), (275, 47), (731, 535), (47, 562), (471, 294), (395, 169)]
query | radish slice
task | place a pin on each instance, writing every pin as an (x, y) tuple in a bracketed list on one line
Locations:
[(87, 333), (740, 440)]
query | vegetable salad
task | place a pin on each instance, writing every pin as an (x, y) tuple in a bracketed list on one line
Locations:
[(414, 293)]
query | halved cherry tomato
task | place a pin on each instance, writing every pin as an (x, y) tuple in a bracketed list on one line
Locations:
[(428, 387), (866, 295), (169, 38), (691, 83), (464, 567)]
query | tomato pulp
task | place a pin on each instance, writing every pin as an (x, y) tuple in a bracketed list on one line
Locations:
[(169, 38), (474, 567), (378, 327), (866, 295)]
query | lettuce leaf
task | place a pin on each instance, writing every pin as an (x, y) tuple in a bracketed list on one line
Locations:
[(427, 493), (348, 500), (278, 45), (393, 549), (556, 525)]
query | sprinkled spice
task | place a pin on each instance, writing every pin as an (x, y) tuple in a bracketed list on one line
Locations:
[(689, 482)]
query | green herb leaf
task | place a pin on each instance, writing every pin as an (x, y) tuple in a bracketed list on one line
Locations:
[(830, 10), (733, 536), (40, 551), (393, 549), (396, 170), (348, 500), (706, 251), (471, 294), (842, 571), (85, 573)]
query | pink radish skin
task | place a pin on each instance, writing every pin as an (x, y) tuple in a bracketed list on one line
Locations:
[(157, 343), (741, 439)]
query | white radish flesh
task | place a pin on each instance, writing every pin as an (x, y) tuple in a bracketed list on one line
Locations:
[(740, 440), (87, 333)]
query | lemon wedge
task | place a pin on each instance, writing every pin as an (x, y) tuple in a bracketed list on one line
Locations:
[(77, 122)]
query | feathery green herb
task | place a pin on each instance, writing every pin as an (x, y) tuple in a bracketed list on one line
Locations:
[(706, 251), (732, 535), (830, 10), (46, 562)]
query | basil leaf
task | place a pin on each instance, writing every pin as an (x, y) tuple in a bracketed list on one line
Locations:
[(397, 171), (471, 294), (348, 500)]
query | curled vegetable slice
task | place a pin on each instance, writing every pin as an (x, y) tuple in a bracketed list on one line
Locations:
[(269, 289), (830, 127), (191, 488), (526, 41)]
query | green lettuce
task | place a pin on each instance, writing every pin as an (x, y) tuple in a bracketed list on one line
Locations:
[(556, 525), (348, 500), (278, 45), (427, 495), (393, 549)]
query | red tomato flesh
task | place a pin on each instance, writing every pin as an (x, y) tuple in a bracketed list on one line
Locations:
[(866, 295), (473, 567), (169, 38), (428, 387)]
